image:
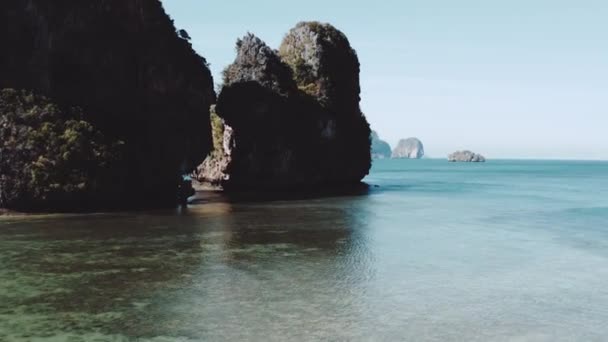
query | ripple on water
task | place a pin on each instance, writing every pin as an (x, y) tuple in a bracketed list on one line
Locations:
[(437, 253)]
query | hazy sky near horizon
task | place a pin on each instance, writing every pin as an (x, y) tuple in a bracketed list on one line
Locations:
[(508, 79)]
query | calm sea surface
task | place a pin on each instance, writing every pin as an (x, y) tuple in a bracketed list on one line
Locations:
[(503, 251)]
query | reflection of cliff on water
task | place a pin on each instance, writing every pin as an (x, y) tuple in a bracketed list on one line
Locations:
[(326, 220), (361, 189), (291, 260)]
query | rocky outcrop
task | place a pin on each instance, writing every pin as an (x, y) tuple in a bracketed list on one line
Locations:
[(411, 148), (214, 168), (135, 79), (380, 148), (325, 66), (291, 118), (466, 156)]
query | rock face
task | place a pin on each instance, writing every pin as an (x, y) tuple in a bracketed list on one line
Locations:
[(290, 119), (466, 156), (380, 148), (135, 79), (411, 148), (214, 168)]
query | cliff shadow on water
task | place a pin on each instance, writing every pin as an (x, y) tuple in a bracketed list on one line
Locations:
[(360, 189)]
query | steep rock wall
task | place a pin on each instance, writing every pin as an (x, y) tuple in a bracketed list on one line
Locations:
[(135, 79)]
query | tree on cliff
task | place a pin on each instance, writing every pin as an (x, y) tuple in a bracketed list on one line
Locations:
[(50, 158)]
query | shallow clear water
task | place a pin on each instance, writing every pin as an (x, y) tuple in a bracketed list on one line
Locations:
[(503, 251)]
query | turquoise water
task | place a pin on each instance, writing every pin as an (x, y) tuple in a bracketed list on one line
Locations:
[(503, 251)]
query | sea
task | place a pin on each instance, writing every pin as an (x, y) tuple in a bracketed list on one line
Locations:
[(508, 250)]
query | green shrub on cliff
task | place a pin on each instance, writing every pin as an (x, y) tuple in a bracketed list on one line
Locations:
[(217, 131), (49, 157), (324, 64)]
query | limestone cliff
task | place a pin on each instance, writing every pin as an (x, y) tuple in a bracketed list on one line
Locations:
[(291, 118), (135, 79), (380, 148), (466, 157), (410, 148)]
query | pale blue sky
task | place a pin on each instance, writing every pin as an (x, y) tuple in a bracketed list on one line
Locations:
[(508, 78)]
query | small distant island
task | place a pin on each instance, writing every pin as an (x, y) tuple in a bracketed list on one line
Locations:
[(380, 148), (410, 148), (466, 157)]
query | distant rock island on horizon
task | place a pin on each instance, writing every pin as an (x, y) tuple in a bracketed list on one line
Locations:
[(466, 157), (380, 148), (410, 148)]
